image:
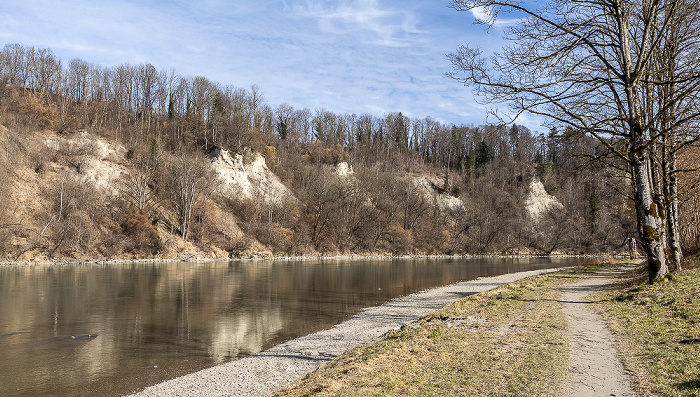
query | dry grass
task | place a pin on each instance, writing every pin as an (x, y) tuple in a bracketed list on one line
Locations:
[(659, 328), (509, 341)]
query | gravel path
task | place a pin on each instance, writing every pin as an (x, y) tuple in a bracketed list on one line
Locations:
[(596, 369), (269, 371)]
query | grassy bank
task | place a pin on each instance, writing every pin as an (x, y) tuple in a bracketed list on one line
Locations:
[(659, 328), (512, 340)]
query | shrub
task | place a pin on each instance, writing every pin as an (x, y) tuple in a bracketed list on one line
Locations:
[(39, 113), (142, 230), (551, 188)]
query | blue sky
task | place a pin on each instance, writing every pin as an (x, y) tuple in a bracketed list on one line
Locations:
[(354, 56)]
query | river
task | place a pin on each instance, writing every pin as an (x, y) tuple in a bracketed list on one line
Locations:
[(113, 329)]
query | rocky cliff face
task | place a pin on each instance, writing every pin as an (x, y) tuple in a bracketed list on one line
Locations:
[(250, 179), (430, 190), (539, 202)]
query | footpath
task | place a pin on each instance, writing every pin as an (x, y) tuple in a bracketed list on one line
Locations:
[(596, 369)]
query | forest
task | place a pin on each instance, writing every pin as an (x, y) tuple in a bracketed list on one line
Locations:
[(161, 132)]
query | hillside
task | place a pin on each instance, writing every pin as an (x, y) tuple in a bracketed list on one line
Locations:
[(76, 195), (137, 163)]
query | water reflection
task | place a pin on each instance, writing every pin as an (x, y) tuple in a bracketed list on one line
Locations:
[(107, 330)]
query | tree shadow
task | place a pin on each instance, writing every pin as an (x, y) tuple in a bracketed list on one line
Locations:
[(630, 281), (689, 385)]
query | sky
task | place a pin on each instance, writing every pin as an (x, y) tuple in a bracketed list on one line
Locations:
[(347, 56)]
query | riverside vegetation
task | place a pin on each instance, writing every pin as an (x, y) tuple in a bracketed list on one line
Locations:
[(121, 163)]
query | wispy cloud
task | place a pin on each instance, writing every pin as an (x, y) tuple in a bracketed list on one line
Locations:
[(377, 24)]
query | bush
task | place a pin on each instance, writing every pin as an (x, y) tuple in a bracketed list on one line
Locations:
[(142, 230), (551, 188), (270, 154), (239, 246), (39, 113)]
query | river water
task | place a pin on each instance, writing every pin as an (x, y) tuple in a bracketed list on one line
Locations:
[(113, 329)]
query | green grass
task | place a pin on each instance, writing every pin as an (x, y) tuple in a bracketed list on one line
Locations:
[(659, 329), (510, 341)]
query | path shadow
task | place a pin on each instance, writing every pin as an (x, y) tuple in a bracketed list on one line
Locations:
[(634, 276), (321, 358), (461, 294), (561, 300)]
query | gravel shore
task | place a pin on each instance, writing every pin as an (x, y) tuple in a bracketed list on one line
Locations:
[(267, 372)]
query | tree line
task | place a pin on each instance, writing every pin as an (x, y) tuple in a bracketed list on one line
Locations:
[(138, 103)]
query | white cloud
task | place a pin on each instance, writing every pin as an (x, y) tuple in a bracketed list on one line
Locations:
[(488, 16), (483, 14)]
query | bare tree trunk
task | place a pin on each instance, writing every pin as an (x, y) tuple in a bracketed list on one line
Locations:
[(674, 239), (668, 63), (649, 218)]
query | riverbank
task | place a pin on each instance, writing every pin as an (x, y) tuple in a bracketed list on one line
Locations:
[(200, 259), (511, 340), (269, 371), (515, 340)]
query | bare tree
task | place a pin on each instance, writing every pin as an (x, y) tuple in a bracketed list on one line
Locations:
[(584, 64), (414, 203), (324, 126), (147, 79), (137, 185), (45, 71), (321, 193), (189, 182), (255, 102), (239, 116), (676, 102), (284, 113)]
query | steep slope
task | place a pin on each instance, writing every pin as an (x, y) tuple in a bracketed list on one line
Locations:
[(98, 162), (58, 189)]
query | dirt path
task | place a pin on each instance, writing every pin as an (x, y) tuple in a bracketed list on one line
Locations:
[(596, 369)]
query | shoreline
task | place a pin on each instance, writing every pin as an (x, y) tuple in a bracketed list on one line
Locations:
[(269, 371), (195, 259)]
